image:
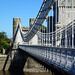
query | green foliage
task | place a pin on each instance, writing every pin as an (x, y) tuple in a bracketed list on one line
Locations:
[(3, 35), (4, 41), (43, 29)]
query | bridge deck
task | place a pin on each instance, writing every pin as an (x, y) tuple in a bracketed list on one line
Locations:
[(60, 57)]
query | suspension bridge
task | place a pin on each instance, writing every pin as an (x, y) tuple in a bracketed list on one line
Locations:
[(57, 45)]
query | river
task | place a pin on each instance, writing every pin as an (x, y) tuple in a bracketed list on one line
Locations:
[(25, 73)]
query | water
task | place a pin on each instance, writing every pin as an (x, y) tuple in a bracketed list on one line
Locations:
[(25, 73), (33, 71)]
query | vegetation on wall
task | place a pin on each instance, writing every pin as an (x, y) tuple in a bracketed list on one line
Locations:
[(4, 41)]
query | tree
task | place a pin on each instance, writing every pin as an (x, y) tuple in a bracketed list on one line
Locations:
[(4, 41), (43, 29), (3, 35)]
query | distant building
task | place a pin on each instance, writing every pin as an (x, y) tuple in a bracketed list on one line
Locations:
[(63, 17), (25, 29), (64, 12)]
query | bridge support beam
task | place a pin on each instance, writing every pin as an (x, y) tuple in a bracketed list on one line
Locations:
[(18, 61), (21, 61)]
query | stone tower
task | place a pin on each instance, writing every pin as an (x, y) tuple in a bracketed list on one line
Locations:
[(16, 21), (16, 24), (64, 10)]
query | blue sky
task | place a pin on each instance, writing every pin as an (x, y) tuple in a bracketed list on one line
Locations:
[(24, 9)]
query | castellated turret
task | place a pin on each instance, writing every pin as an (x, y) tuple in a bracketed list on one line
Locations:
[(16, 25), (64, 11), (16, 22)]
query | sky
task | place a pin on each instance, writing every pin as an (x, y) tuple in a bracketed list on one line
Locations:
[(23, 9)]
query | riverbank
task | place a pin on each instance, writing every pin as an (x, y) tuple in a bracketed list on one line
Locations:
[(2, 62)]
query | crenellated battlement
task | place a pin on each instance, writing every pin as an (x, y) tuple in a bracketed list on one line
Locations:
[(65, 3), (16, 19), (65, 0)]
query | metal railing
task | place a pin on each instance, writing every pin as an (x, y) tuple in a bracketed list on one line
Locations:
[(60, 57)]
